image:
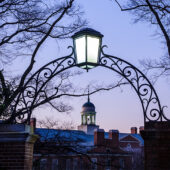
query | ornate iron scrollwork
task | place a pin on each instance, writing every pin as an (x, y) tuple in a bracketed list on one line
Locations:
[(34, 89), (151, 106)]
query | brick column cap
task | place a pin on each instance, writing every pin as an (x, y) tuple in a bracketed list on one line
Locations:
[(99, 130)]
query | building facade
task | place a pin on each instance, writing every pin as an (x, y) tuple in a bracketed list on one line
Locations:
[(88, 147)]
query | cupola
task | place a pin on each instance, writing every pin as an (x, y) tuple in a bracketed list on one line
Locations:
[(88, 113)]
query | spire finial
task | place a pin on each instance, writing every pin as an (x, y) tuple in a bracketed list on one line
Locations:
[(88, 95)]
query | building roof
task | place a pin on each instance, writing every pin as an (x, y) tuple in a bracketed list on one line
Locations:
[(77, 136), (88, 104), (88, 107), (137, 136), (65, 135)]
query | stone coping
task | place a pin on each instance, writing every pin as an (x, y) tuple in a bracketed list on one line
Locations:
[(164, 125), (15, 128)]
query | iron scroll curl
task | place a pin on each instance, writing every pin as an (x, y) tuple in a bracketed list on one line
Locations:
[(150, 102), (34, 87)]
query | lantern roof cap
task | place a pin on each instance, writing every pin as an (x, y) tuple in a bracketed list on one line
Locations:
[(87, 31)]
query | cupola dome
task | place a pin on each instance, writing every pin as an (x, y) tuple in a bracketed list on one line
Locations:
[(88, 107)]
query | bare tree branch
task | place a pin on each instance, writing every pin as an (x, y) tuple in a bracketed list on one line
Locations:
[(151, 11), (24, 26), (156, 13)]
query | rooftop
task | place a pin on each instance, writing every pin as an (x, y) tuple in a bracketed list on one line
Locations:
[(77, 136)]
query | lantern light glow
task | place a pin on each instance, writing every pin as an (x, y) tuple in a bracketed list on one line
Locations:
[(87, 45)]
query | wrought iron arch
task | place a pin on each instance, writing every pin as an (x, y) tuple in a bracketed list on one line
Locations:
[(34, 87), (151, 106)]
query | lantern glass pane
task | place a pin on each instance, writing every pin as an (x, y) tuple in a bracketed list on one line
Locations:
[(92, 49), (80, 49)]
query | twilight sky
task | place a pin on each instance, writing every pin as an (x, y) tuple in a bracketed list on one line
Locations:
[(119, 108)]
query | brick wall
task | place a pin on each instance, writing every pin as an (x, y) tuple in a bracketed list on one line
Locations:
[(16, 147), (156, 137), (15, 155)]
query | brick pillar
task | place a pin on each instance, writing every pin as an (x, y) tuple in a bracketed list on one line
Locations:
[(156, 137), (16, 146)]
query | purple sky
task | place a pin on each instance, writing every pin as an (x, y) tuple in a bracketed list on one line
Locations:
[(119, 108)]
